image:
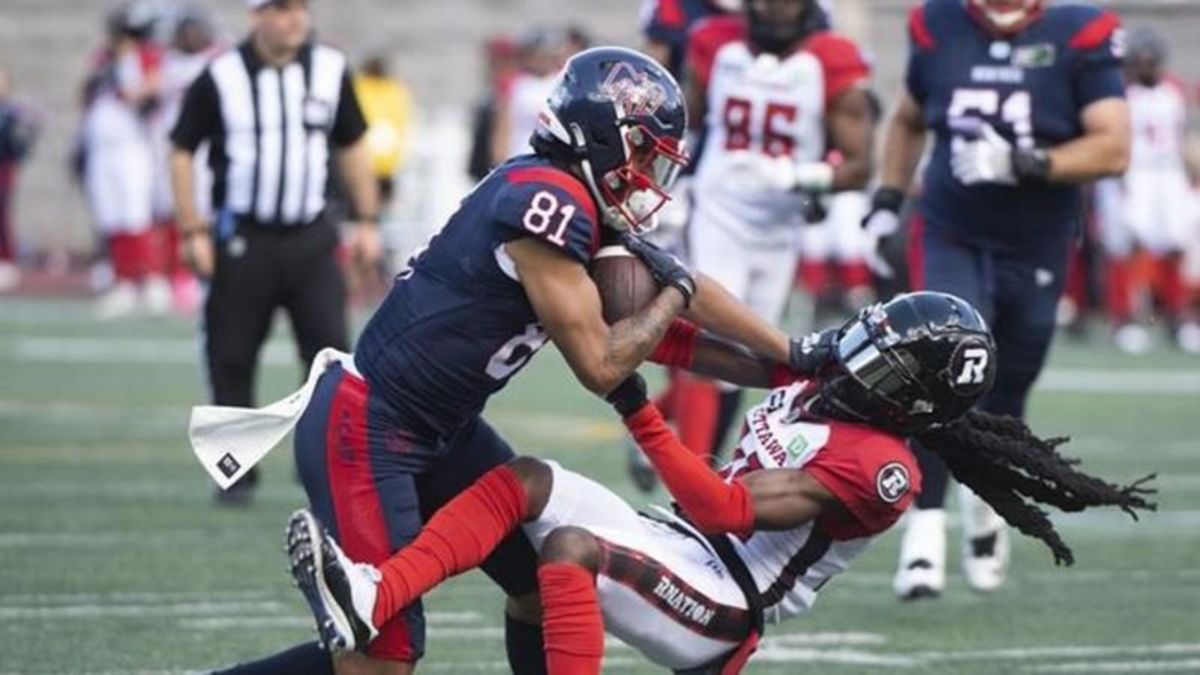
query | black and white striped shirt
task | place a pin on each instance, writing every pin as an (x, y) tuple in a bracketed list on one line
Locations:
[(271, 130)]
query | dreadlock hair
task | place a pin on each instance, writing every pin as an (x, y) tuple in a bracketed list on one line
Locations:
[(1011, 468)]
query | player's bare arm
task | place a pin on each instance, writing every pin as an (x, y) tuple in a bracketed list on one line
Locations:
[(693, 95), (851, 129), (567, 303), (659, 51), (720, 360), (1102, 150), (903, 143), (718, 312)]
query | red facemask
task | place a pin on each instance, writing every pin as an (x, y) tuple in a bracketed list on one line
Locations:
[(634, 193)]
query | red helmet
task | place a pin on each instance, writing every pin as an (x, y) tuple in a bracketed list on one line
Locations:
[(1005, 17)]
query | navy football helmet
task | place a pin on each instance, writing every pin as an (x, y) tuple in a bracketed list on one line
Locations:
[(917, 362), (619, 117), (1006, 17), (775, 26)]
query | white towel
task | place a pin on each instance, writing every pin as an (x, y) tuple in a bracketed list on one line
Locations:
[(229, 440)]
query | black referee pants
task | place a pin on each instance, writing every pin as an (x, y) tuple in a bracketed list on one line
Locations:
[(259, 269)]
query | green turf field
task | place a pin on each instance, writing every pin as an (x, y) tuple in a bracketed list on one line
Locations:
[(113, 559)]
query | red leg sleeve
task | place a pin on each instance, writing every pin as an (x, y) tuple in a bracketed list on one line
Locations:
[(456, 539), (571, 621), (697, 402)]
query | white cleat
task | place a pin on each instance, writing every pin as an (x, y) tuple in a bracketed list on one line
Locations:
[(1187, 338), (119, 301), (921, 572), (10, 276), (156, 296), (985, 549), (1133, 338), (341, 593)]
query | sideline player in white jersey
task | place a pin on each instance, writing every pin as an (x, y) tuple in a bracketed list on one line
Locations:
[(822, 469), (776, 95), (118, 171), (1153, 211)]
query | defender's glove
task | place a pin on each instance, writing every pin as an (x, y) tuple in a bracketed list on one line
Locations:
[(629, 396), (809, 355), (666, 269), (882, 221)]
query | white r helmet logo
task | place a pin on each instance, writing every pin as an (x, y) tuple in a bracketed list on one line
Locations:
[(975, 361)]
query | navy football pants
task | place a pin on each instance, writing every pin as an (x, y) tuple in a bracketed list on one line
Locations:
[(373, 487), (1017, 296)]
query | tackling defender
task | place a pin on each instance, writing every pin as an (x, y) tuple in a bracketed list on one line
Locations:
[(1025, 103), (822, 470), (394, 432)]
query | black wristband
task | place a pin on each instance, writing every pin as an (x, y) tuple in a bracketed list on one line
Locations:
[(1031, 165), (887, 199), (629, 396)]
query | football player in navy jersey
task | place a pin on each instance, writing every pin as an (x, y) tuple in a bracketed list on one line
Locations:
[(393, 433), (1025, 102)]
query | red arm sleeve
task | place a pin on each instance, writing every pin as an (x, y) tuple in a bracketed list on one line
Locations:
[(871, 474), (713, 506), (841, 61), (678, 347)]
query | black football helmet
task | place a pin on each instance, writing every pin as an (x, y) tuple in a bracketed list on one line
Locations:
[(917, 362), (619, 117), (774, 26)]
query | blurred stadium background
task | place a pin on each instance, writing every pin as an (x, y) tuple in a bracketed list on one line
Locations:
[(112, 559)]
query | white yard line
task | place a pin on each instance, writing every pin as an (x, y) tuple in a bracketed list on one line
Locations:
[(140, 611), (130, 598), (1160, 666), (1061, 652)]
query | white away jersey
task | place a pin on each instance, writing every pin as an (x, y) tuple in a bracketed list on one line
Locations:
[(765, 104)]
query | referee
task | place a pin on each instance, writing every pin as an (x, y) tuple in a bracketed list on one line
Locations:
[(272, 111)]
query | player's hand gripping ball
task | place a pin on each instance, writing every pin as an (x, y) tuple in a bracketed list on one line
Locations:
[(624, 282)]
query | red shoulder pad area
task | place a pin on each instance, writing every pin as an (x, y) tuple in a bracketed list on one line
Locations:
[(841, 61), (580, 235), (918, 29), (559, 179), (670, 13), (871, 473), (1095, 32), (707, 38)]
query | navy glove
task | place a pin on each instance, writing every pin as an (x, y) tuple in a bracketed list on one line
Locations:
[(629, 396), (812, 353), (666, 269)]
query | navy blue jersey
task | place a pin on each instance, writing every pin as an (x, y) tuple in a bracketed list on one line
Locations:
[(1031, 88), (458, 324)]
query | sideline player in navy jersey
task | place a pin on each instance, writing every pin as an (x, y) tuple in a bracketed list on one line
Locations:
[(392, 433), (1025, 102)]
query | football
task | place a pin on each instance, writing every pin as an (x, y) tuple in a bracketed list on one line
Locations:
[(624, 282)]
